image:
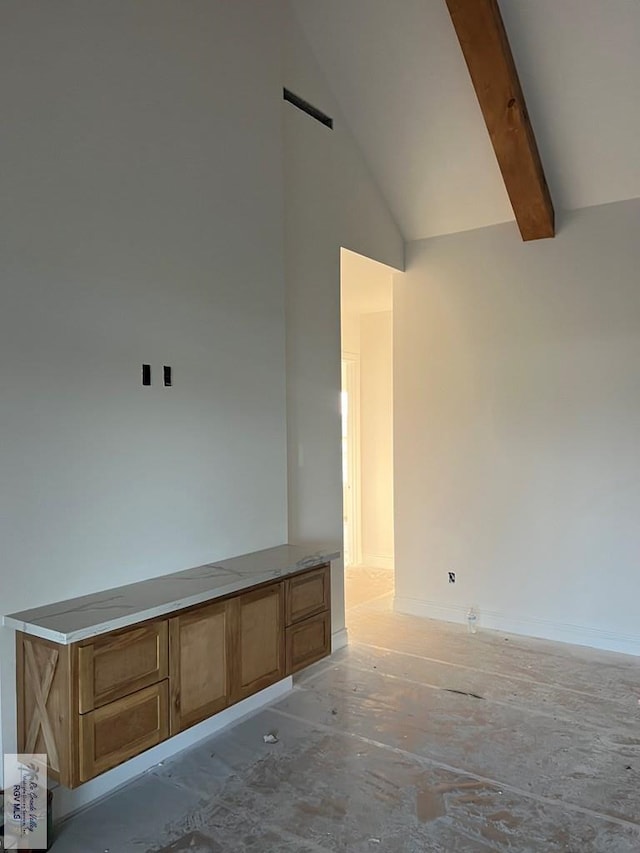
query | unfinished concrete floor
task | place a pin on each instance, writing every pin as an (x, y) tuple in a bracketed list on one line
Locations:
[(418, 737)]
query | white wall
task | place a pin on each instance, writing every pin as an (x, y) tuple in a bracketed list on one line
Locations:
[(376, 438), (517, 424), (141, 221), (330, 201)]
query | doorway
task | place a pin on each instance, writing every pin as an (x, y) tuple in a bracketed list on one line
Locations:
[(367, 426), (350, 411)]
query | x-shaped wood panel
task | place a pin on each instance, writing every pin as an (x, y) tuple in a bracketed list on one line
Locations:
[(40, 682)]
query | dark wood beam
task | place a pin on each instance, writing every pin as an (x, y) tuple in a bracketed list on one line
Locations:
[(485, 46)]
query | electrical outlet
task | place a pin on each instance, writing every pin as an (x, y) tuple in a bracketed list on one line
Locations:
[(452, 577)]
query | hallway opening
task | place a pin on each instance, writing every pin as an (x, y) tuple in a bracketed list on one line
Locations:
[(367, 424)]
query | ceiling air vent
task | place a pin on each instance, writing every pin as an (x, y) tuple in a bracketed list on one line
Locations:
[(308, 108)]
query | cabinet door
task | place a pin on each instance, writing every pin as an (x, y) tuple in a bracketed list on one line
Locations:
[(198, 664), (308, 641), (258, 640), (307, 593), (117, 664), (118, 731)]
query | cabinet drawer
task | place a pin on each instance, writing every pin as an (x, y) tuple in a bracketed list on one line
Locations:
[(118, 731), (117, 664), (308, 641), (307, 593)]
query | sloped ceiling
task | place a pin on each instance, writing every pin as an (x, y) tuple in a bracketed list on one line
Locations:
[(397, 71)]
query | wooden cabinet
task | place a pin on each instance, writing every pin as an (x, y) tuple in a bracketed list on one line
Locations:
[(308, 641), (124, 728), (93, 704), (199, 670), (308, 618), (307, 594), (258, 637), (117, 664), (47, 704)]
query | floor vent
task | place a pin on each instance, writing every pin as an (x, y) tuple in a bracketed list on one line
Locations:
[(308, 108)]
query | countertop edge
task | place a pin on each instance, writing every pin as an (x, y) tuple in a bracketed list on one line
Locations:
[(65, 639)]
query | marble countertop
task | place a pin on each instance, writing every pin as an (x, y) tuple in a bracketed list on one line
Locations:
[(90, 615)]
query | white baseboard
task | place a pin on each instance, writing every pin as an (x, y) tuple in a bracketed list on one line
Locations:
[(378, 561), (339, 639), (543, 629), (67, 802)]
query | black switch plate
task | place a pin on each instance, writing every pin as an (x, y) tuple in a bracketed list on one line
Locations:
[(146, 374), (167, 376)]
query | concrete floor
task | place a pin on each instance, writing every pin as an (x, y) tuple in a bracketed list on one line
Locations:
[(418, 737)]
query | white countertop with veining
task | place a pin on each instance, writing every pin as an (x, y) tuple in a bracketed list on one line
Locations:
[(90, 615)]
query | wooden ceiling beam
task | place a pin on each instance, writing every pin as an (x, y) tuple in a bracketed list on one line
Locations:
[(485, 46)]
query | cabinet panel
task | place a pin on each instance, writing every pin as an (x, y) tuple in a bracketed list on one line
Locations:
[(115, 665), (199, 672), (308, 641), (307, 594), (258, 640), (47, 720), (122, 729)]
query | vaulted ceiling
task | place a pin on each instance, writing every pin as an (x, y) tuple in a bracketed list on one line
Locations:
[(400, 79)]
